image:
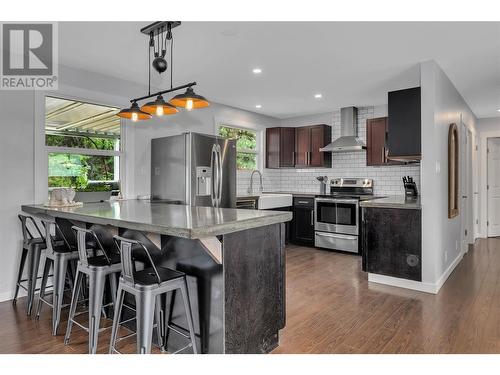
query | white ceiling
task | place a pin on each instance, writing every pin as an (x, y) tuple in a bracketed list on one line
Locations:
[(350, 63)]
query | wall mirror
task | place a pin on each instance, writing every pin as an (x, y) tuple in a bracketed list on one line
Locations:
[(453, 171)]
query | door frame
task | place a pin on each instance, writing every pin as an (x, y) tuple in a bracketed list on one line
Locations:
[(483, 182), (465, 191)]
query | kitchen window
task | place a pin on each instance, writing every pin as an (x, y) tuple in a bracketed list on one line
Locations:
[(83, 145), (247, 150)]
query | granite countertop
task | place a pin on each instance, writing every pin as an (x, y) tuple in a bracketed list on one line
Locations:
[(393, 201), (169, 219)]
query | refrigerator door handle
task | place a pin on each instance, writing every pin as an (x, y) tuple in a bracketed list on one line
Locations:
[(213, 161), (219, 175)]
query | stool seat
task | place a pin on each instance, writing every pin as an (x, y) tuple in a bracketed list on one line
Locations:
[(147, 276), (102, 261), (148, 286)]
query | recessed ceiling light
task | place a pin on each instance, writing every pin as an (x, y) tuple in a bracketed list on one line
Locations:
[(498, 110), (258, 106), (318, 96), (257, 70)]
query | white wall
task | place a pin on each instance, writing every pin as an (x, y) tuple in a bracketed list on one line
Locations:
[(17, 183), (442, 105)]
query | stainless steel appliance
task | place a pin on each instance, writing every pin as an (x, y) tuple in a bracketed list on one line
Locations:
[(336, 216), (194, 169), (349, 140)]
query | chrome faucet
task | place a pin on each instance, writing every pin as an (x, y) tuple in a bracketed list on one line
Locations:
[(250, 188)]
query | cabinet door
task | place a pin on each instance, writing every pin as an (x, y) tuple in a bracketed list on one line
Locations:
[(303, 226), (392, 242), (272, 147), (376, 129), (302, 146), (404, 124), (320, 137), (287, 147)]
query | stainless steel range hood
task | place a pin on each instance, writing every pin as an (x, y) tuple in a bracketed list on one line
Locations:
[(348, 141)]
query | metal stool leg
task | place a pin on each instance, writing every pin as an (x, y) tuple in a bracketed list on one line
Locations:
[(96, 293), (160, 329), (20, 274), (189, 315), (74, 304), (46, 270), (168, 317), (60, 268), (145, 305), (113, 289), (116, 318), (34, 264)]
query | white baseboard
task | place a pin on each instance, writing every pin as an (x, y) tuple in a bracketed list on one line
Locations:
[(448, 271), (432, 288), (8, 296), (402, 283)]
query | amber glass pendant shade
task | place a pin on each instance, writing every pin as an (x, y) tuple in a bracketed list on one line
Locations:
[(189, 100), (134, 113), (159, 107)]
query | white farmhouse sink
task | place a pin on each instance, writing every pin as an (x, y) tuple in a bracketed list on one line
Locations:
[(268, 201)]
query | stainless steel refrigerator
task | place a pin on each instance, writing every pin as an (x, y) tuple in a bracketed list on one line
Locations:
[(194, 169)]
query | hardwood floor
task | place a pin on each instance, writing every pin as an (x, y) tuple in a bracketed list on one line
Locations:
[(331, 308)]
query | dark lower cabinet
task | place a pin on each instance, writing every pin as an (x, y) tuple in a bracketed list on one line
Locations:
[(302, 225), (392, 242)]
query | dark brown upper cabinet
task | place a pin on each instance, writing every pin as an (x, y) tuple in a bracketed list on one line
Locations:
[(376, 136), (280, 147), (376, 131), (404, 125), (308, 141)]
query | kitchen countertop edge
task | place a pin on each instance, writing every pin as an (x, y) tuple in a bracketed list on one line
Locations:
[(394, 201)]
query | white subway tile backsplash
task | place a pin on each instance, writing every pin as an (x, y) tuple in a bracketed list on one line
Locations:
[(387, 179)]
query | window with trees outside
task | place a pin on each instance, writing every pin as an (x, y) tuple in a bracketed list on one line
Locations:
[(83, 145), (247, 152)]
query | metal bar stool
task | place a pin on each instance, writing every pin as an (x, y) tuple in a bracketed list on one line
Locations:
[(97, 268), (32, 250), (59, 254), (146, 286)]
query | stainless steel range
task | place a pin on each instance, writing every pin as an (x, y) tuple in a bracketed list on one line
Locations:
[(336, 219)]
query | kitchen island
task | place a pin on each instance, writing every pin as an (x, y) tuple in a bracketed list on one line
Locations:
[(235, 261)]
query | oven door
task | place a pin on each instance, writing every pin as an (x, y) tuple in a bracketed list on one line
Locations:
[(336, 215)]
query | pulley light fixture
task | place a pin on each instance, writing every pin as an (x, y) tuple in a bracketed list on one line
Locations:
[(160, 34)]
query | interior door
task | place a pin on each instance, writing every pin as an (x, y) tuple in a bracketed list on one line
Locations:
[(493, 187)]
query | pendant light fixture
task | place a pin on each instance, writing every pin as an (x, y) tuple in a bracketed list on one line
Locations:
[(134, 113), (189, 100), (160, 34), (159, 107)]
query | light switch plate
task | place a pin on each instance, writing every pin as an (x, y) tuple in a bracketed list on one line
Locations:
[(438, 167)]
